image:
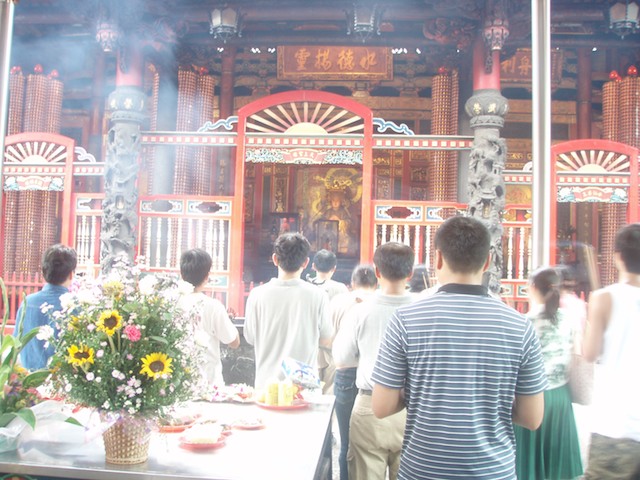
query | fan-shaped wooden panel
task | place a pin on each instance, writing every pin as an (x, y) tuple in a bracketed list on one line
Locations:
[(592, 162), (305, 118)]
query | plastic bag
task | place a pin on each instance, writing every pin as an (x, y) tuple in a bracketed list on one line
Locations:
[(300, 373)]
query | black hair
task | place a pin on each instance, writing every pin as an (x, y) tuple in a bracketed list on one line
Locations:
[(547, 281), (364, 276), (464, 243), (568, 277), (195, 265), (419, 280), (394, 260), (627, 244), (58, 262), (324, 261), (291, 250)]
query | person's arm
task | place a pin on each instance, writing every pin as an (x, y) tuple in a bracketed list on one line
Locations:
[(345, 345), (326, 328), (249, 321), (386, 401), (236, 343), (528, 410), (597, 319)]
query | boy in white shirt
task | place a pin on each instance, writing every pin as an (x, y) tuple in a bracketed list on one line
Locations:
[(213, 323)]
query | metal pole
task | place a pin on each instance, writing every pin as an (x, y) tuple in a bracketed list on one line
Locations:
[(541, 141), (6, 33)]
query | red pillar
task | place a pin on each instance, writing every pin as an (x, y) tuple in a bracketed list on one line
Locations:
[(584, 93), (481, 78), (226, 82)]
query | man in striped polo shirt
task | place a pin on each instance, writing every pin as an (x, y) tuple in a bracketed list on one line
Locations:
[(464, 364)]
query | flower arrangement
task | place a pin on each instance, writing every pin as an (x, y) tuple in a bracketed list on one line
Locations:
[(18, 392), (124, 346)]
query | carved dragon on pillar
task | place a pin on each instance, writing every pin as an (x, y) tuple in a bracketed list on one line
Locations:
[(120, 218), (486, 190)]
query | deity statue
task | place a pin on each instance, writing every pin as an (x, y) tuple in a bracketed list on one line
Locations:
[(336, 208)]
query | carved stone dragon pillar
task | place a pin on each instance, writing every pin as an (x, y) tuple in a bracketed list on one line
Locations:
[(120, 218)]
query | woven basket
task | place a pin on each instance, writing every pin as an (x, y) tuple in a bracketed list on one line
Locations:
[(127, 442)]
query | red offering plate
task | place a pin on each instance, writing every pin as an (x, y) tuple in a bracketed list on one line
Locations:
[(174, 428), (249, 426), (297, 405), (202, 446)]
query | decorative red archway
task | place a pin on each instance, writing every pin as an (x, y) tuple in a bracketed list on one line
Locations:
[(302, 119), (591, 170)]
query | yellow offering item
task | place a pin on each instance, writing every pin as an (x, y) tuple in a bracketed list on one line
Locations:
[(285, 394), (272, 394), (280, 393)]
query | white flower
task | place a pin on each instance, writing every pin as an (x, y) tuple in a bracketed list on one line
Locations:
[(67, 387), (106, 405), (99, 353), (90, 376), (91, 327), (147, 285), (88, 297), (132, 411), (45, 332), (98, 379), (66, 300), (45, 307)]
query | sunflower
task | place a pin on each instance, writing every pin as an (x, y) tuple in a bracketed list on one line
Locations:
[(80, 355), (109, 322), (156, 365)]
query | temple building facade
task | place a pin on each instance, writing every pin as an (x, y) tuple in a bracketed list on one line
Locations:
[(142, 129)]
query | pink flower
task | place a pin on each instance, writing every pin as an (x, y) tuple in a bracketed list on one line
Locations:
[(132, 332)]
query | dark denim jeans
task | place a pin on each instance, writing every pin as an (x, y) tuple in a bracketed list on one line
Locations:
[(345, 390)]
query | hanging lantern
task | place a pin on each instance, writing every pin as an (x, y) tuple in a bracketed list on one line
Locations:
[(224, 23), (108, 35), (623, 18), (364, 21)]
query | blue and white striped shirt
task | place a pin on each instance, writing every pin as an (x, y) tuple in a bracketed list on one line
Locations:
[(461, 356)]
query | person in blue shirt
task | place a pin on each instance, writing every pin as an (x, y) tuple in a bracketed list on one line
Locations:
[(58, 266)]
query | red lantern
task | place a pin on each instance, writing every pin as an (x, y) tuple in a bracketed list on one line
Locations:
[(53, 74), (38, 69), (632, 71), (613, 75), (16, 69), (443, 70)]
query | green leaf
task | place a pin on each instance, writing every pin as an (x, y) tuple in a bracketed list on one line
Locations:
[(5, 419), (28, 416), (8, 341), (159, 339), (35, 379), (73, 421), (26, 338)]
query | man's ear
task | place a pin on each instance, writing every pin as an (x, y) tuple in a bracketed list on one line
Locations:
[(439, 260), (274, 259), (377, 272), (306, 262), (487, 263)]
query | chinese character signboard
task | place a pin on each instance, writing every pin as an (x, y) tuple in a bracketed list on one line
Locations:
[(518, 68), (334, 63)]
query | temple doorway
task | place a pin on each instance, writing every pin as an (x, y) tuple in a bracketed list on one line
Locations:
[(305, 164)]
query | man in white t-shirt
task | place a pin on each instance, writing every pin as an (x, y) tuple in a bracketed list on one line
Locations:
[(286, 317), (613, 337), (213, 323)]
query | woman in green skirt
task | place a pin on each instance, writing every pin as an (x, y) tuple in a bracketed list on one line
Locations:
[(552, 452)]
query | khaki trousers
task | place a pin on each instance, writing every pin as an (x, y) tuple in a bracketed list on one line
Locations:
[(375, 444)]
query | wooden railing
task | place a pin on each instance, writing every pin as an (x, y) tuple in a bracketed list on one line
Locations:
[(18, 286), (415, 224)]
